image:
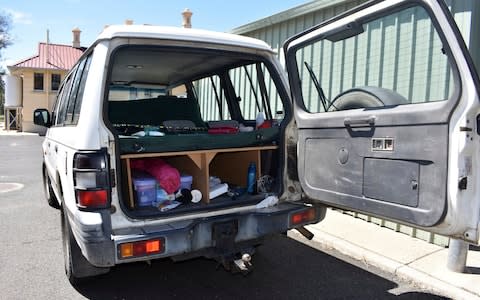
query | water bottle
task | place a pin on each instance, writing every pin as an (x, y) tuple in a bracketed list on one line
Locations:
[(251, 178)]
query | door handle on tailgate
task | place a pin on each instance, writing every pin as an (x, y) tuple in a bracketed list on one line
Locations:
[(359, 121)]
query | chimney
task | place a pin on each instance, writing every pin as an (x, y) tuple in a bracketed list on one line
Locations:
[(187, 18), (76, 37), (128, 22)]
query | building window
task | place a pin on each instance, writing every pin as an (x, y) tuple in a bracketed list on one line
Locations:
[(55, 82), (38, 81)]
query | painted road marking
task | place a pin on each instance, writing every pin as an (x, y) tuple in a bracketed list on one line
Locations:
[(6, 187)]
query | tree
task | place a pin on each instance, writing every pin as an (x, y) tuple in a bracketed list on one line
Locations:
[(5, 41)]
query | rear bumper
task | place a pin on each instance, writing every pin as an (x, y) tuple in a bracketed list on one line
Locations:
[(193, 237)]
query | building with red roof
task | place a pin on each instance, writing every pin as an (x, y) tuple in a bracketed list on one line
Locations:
[(36, 79)]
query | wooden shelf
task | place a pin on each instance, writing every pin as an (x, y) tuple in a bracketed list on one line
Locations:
[(229, 164)]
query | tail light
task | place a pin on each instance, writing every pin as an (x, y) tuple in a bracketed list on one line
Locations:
[(91, 179), (303, 217), (141, 248)]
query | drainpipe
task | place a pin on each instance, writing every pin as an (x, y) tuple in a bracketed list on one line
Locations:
[(47, 86), (45, 79)]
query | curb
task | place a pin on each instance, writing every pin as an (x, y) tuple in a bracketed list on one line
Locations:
[(369, 260)]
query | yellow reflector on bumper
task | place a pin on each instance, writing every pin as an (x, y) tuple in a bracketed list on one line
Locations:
[(126, 250)]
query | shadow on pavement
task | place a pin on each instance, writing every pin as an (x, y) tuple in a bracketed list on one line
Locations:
[(474, 248), (473, 270), (284, 269)]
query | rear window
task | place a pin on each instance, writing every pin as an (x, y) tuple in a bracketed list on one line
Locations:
[(119, 92), (203, 86)]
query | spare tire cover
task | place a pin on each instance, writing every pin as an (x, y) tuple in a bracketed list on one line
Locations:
[(367, 96)]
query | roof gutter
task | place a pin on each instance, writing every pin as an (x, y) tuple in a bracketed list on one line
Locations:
[(287, 15)]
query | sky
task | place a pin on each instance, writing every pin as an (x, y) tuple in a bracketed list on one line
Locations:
[(31, 19)]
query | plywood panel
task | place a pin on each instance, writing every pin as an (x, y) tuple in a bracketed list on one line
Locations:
[(233, 167), (185, 165)]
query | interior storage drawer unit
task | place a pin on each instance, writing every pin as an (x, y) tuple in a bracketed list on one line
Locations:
[(230, 164)]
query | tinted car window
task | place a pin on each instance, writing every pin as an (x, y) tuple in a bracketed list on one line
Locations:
[(62, 102), (75, 95)]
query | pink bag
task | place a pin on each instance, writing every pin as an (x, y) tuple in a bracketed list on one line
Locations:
[(167, 176)]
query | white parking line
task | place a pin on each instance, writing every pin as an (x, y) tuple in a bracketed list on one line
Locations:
[(6, 187)]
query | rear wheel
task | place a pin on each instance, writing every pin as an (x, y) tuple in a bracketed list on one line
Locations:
[(77, 267), (48, 191)]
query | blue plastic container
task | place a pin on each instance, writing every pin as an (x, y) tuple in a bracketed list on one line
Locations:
[(145, 188), (186, 182)]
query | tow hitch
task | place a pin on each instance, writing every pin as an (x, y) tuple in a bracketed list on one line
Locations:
[(241, 265), (244, 264)]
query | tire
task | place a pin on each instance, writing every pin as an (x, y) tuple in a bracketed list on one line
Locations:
[(48, 191), (363, 97), (77, 267)]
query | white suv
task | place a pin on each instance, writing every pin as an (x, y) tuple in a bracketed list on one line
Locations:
[(168, 142)]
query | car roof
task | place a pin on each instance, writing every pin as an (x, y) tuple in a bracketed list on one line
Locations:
[(181, 34)]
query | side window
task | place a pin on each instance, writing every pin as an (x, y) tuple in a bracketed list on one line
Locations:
[(179, 91), (76, 92), (399, 56), (73, 92), (256, 91), (81, 90), (62, 101), (211, 99), (57, 103)]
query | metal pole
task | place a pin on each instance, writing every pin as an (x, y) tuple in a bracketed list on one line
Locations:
[(457, 255)]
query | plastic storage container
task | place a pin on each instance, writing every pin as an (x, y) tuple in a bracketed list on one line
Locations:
[(186, 182), (145, 188)]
